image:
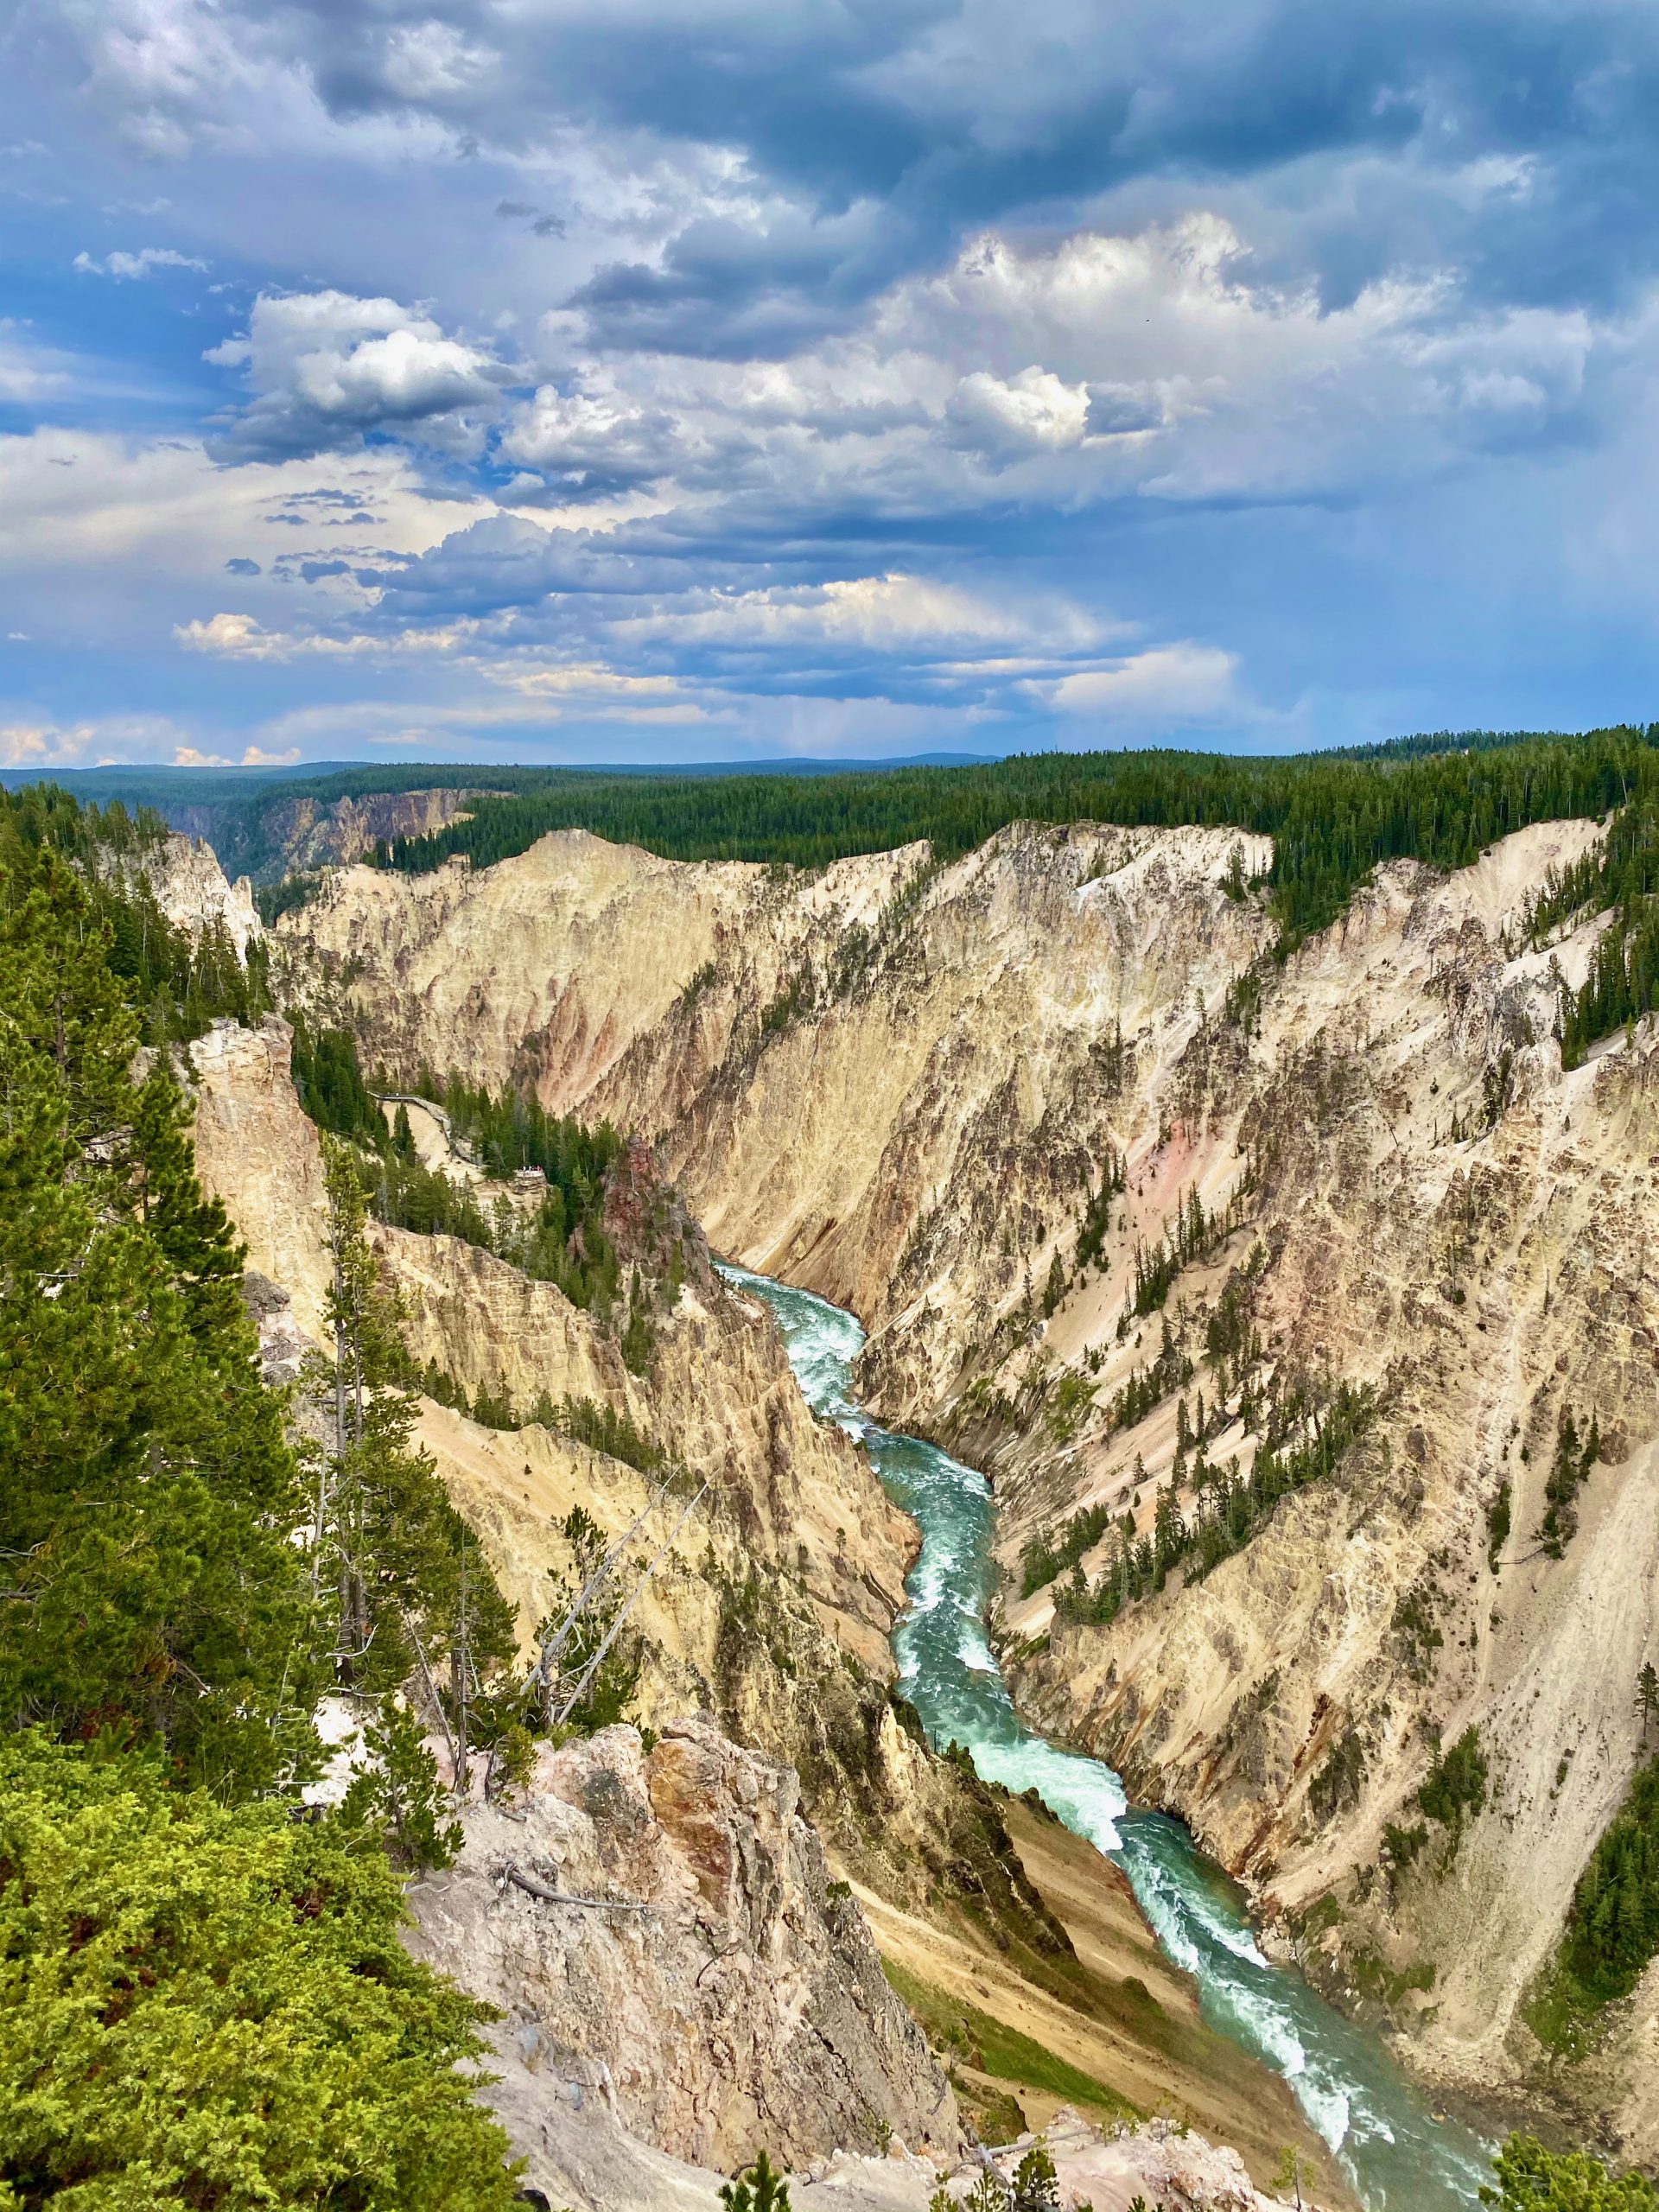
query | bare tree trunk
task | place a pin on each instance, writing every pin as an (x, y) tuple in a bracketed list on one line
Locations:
[(459, 1658)]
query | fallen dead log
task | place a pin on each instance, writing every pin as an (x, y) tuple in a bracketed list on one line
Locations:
[(528, 1883)]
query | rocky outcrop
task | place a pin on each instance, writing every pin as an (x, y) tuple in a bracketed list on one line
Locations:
[(1112, 2173), (302, 833), (718, 1399), (184, 875), (719, 1997), (271, 836), (257, 1151), (191, 891)]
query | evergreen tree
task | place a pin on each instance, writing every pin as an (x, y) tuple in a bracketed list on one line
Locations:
[(1035, 2182), (636, 1338), (1612, 1927), (410, 1589), (149, 1496), (398, 1794), (1532, 2179), (759, 2188), (610, 1693), (211, 2005)]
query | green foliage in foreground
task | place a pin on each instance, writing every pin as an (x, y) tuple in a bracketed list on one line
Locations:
[(1531, 2179), (150, 1586), (203, 1998), (205, 2006), (759, 2188)]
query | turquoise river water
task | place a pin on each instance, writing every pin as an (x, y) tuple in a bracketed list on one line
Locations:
[(1400, 2158)]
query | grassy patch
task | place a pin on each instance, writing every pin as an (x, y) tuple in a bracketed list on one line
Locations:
[(963, 2032), (995, 2115)]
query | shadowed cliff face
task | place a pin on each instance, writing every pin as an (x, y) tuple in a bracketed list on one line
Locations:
[(901, 1087), (289, 836)]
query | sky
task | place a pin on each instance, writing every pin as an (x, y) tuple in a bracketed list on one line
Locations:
[(563, 380)]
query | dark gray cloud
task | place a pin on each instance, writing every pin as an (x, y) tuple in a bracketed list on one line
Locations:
[(938, 118)]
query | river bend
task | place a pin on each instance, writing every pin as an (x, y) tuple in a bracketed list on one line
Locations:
[(1398, 2156)]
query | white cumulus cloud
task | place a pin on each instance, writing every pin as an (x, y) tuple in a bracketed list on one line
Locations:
[(239, 637), (1185, 682), (324, 368), (1012, 415)]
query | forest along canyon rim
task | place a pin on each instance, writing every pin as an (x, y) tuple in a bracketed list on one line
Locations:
[(1400, 2158)]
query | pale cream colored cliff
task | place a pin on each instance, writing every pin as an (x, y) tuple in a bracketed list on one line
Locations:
[(743, 2007), (905, 1145)]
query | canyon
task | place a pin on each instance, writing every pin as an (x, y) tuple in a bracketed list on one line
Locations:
[(915, 1090)]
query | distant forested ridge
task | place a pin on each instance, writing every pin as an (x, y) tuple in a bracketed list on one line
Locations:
[(1332, 816)]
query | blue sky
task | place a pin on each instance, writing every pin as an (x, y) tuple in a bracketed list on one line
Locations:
[(628, 379)]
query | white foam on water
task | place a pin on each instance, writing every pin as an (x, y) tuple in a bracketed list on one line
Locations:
[(1326, 2106)]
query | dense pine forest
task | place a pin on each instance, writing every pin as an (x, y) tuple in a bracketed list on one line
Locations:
[(204, 1998), (1332, 816)]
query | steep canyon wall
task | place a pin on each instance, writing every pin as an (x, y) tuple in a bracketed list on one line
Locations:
[(903, 1086)]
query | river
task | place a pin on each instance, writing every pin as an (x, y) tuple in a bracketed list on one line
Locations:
[(1398, 2156)]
